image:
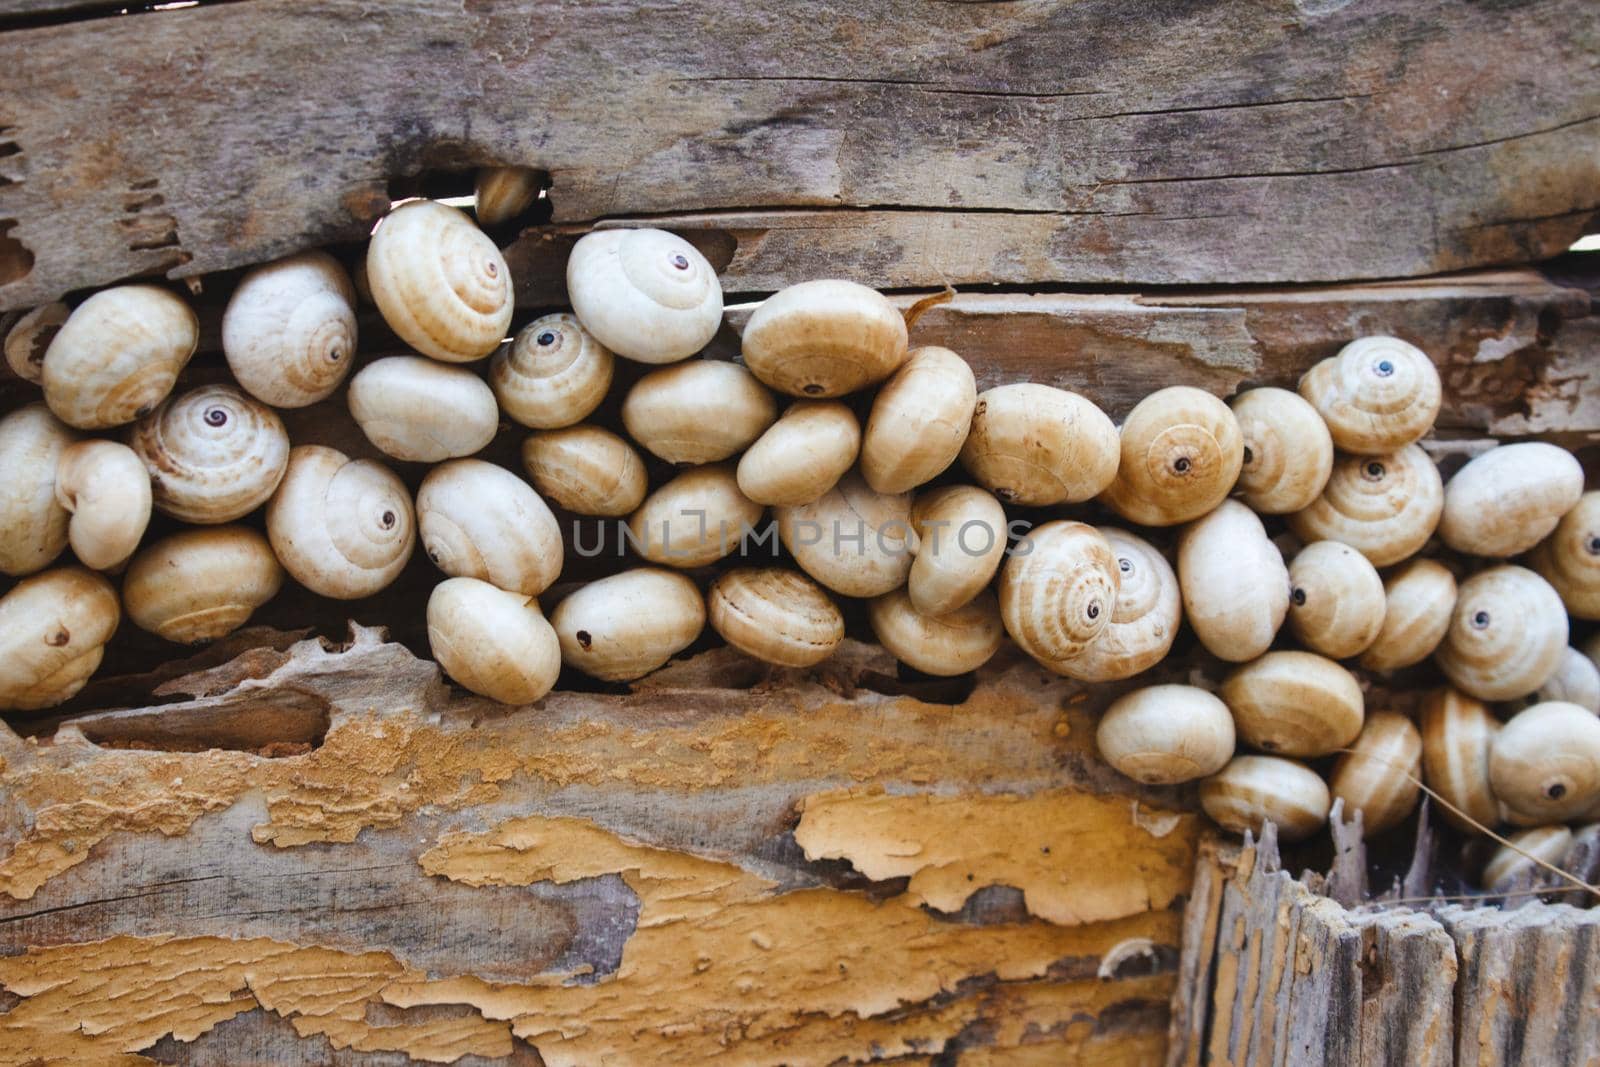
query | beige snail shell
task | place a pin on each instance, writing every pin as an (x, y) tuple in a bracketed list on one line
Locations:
[(1144, 622), (342, 528), (106, 487), (1295, 704), (1181, 453), (699, 411), (1507, 634), (775, 615), (1419, 600), (1036, 445), (802, 455), (503, 193), (289, 332), (1336, 600), (1576, 681), (1545, 763), (493, 642), (946, 645), (418, 410), (1385, 507), (117, 356), (1546, 843), (33, 524), (647, 295), (1569, 558), (198, 585), (625, 626), (552, 374), (29, 339), (695, 519), (1254, 790), (824, 338), (1234, 584), (919, 421), (1510, 498), (439, 282), (1166, 734), (53, 631), (1288, 452), (854, 541), (214, 455), (587, 470), (1458, 734), (1058, 590), (1377, 395), (477, 520), (961, 535), (1378, 776)]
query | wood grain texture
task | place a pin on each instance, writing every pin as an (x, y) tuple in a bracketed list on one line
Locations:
[(1103, 141)]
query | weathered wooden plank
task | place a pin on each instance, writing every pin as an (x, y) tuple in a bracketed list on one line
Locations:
[(900, 145)]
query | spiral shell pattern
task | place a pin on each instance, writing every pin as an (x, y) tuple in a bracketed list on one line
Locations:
[(824, 338), (1419, 600), (552, 374), (481, 521), (117, 356), (198, 585), (214, 454), (1288, 452), (645, 294), (342, 528), (1507, 635), (1385, 507), (1569, 558), (775, 615), (1166, 734), (1508, 865), (1378, 395), (1181, 451), (53, 630), (1058, 590), (426, 412), (1378, 776), (586, 469), (33, 524), (1144, 620), (854, 541), (1036, 445), (1510, 498), (941, 645), (1295, 704), (1254, 790), (1544, 765), (289, 332), (1458, 734), (1336, 599)]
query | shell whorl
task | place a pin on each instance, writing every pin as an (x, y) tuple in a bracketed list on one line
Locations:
[(1458, 733), (289, 333), (1253, 789), (1377, 395), (1419, 599), (552, 374), (1036, 445), (645, 294), (1506, 636), (1057, 596), (1235, 586), (824, 338), (1288, 452), (53, 630), (118, 355), (214, 454), (942, 645), (1144, 620), (33, 524), (1181, 451), (1336, 599), (587, 470), (1508, 499), (343, 528), (775, 615), (863, 544), (420, 410), (919, 421), (198, 585), (1385, 507), (1569, 558), (961, 533), (481, 521)]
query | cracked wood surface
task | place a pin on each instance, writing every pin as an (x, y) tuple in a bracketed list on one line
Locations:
[(1108, 141)]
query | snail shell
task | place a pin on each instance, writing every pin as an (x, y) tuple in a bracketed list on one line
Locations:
[(954, 643), (1144, 622), (824, 338), (342, 528), (775, 615), (700, 411), (419, 410), (53, 631), (105, 486), (1508, 499), (919, 421), (552, 374), (1507, 634), (1378, 776), (1547, 843), (1254, 790), (586, 469), (290, 330), (33, 524), (1377, 395), (1058, 590), (1234, 584), (117, 356), (439, 282), (961, 535), (198, 585), (1545, 764), (493, 642), (802, 455), (1419, 599), (695, 519), (1569, 558), (1458, 733), (503, 193), (625, 626), (851, 539), (1166, 734), (1385, 507), (1036, 445), (645, 294), (1336, 600), (1181, 452), (30, 338), (1288, 452), (1295, 704), (1576, 681), (481, 521), (214, 455)]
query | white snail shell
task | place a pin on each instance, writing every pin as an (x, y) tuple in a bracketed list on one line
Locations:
[(919, 421), (1385, 507), (1336, 600), (625, 626), (439, 282), (494, 642), (1036, 445), (1288, 452), (481, 521), (699, 411), (1507, 635), (586, 469), (1576, 681), (946, 645), (1254, 790), (552, 374), (33, 524), (1547, 843), (1458, 734), (30, 337), (53, 631), (107, 489), (1545, 763), (198, 585), (1295, 704), (117, 356), (695, 519), (503, 193), (214, 455), (342, 528), (1419, 599), (961, 535), (645, 294), (1378, 776), (289, 333), (775, 615), (1569, 558), (854, 541), (416, 409), (824, 338), (1166, 734), (1181, 452), (1234, 584), (1377, 395), (802, 455), (1510, 498), (1144, 622), (1058, 590)]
